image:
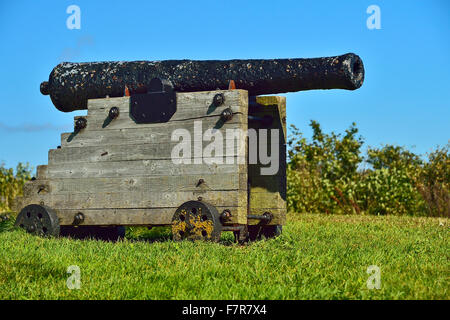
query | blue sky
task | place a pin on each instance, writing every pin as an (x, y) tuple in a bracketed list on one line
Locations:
[(405, 99)]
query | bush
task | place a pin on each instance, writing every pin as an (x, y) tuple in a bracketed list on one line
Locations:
[(11, 184), (434, 182), (326, 175)]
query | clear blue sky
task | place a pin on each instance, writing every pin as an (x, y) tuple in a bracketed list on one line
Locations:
[(405, 99)]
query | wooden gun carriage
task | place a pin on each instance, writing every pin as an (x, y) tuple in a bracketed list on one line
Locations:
[(116, 172), (119, 168)]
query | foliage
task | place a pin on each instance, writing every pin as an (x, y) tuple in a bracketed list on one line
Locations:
[(434, 182), (11, 184), (329, 174)]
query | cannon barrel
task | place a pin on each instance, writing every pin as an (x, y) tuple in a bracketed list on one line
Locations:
[(70, 85)]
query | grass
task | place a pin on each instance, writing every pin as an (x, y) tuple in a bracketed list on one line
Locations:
[(317, 257)]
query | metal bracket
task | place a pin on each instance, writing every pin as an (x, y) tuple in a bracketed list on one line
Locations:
[(157, 105), (266, 217)]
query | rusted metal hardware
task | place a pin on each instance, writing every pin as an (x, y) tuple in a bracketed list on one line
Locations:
[(218, 100), (78, 218), (113, 113), (39, 220), (80, 124), (225, 216), (231, 228), (226, 115), (157, 105), (266, 217), (196, 220), (70, 85)]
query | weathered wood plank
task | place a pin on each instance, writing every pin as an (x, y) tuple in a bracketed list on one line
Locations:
[(126, 216), (268, 192), (277, 102), (279, 215), (212, 182), (138, 199), (190, 106), (137, 168), (41, 172), (262, 200), (160, 216), (124, 122), (162, 133), (148, 151)]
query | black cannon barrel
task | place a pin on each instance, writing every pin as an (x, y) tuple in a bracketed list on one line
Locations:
[(70, 85)]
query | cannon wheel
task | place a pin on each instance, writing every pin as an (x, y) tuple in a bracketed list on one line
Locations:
[(196, 220), (258, 232), (38, 220)]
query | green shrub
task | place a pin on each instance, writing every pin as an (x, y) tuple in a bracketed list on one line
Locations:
[(326, 175), (434, 182), (11, 184)]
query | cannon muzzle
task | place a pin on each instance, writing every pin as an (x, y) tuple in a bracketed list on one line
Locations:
[(70, 85)]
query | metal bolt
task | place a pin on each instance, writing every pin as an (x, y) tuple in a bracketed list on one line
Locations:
[(80, 124), (79, 218), (225, 215), (218, 99), (226, 114), (44, 87), (113, 112)]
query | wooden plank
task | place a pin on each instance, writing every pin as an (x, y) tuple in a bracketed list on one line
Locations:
[(279, 215), (127, 216), (261, 200), (269, 184), (96, 124), (189, 106), (161, 133), (16, 204), (137, 168), (212, 182), (41, 172), (160, 216), (138, 199), (277, 102), (268, 192), (148, 151)]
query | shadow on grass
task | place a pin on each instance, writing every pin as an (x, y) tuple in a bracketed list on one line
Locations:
[(115, 234), (163, 234)]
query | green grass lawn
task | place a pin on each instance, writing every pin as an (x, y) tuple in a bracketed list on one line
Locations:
[(317, 257)]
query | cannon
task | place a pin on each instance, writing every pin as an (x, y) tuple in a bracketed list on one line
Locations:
[(70, 85), (195, 145)]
